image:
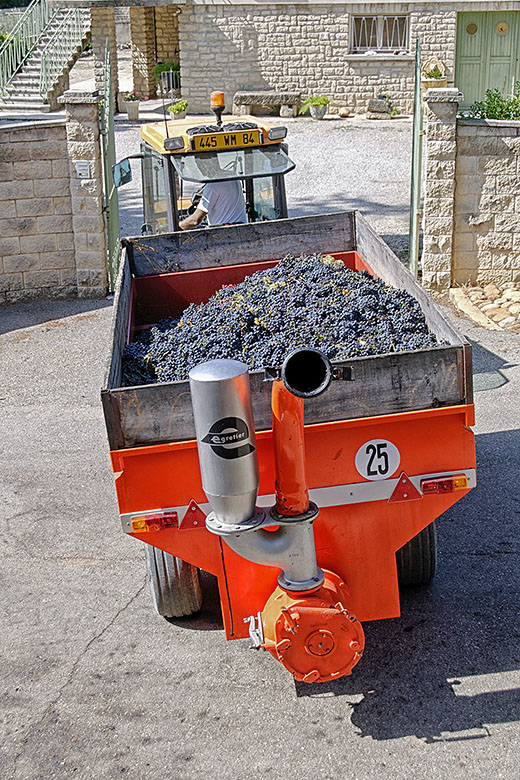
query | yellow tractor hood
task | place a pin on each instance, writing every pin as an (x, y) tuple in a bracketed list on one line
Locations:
[(156, 133)]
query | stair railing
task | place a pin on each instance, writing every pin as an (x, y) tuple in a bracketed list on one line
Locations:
[(60, 49), (22, 39)]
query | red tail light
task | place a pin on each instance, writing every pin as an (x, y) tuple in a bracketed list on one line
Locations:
[(153, 522), (444, 484)]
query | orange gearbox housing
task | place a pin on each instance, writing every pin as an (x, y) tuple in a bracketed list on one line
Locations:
[(314, 634)]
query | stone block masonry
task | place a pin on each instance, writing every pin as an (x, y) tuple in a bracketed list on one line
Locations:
[(439, 186), (142, 24), (87, 202), (36, 233), (103, 26), (52, 224), (471, 198), (167, 33), (487, 203), (304, 48)]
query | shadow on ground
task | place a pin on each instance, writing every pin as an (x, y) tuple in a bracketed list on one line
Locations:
[(422, 673), (487, 369), (210, 617), (17, 316), (463, 625)]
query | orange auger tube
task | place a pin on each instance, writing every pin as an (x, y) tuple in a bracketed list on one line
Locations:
[(312, 632), (292, 496)]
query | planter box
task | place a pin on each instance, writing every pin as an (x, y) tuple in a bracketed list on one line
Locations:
[(132, 109)]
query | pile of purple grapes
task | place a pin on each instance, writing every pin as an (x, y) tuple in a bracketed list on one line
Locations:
[(309, 301)]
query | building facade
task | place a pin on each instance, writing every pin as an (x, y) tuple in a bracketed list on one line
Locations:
[(349, 51)]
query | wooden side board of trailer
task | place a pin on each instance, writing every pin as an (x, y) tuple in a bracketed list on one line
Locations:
[(386, 384), (187, 250)]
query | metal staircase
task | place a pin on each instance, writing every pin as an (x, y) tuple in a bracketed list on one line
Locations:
[(36, 58)]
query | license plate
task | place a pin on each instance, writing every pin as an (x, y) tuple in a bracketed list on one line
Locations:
[(206, 143)]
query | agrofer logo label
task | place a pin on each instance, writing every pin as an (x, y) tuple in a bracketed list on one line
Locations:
[(226, 432)]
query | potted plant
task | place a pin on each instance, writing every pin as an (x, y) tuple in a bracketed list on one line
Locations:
[(317, 106), (433, 74), (178, 109), (131, 101)]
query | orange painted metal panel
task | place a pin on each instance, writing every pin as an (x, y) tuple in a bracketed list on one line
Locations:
[(356, 541)]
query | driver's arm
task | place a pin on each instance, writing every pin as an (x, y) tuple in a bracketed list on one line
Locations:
[(192, 220)]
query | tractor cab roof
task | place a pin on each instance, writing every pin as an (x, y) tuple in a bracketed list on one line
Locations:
[(201, 151), (204, 135)]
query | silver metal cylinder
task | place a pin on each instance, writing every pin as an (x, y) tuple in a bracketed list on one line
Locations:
[(291, 547), (226, 441)]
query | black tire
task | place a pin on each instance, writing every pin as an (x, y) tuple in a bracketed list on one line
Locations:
[(417, 559), (174, 583)]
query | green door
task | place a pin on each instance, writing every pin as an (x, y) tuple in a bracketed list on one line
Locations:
[(487, 53)]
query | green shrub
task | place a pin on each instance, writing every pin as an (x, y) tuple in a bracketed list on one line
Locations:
[(161, 67), (178, 107), (317, 100), (496, 106), (433, 74)]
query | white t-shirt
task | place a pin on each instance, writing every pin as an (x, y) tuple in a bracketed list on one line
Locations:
[(224, 202)]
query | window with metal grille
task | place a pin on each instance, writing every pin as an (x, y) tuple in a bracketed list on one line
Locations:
[(379, 33)]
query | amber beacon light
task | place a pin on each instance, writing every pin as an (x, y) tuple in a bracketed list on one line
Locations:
[(216, 102)]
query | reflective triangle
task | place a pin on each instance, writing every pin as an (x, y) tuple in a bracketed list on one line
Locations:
[(405, 490), (194, 517)]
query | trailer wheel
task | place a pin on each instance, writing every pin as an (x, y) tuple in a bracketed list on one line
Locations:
[(175, 584), (417, 559)]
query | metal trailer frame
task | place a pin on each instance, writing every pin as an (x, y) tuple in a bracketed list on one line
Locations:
[(421, 402)]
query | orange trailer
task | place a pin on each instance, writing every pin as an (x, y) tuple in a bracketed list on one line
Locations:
[(387, 448)]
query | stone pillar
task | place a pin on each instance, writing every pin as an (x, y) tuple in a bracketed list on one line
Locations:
[(86, 187), (167, 33), (103, 25), (439, 186), (142, 27)]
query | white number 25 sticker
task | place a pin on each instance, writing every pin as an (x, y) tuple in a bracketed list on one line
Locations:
[(377, 459)]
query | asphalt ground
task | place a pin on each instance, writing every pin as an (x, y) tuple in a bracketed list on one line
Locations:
[(97, 685)]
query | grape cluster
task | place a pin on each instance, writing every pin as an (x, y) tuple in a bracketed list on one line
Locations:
[(309, 301)]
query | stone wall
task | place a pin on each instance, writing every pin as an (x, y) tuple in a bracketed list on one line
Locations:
[(86, 188), (36, 238), (142, 25), (52, 225), (437, 31), (167, 33), (103, 26), (441, 107), (303, 48), (471, 226), (487, 203)]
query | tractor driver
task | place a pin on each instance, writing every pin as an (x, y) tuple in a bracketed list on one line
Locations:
[(222, 201)]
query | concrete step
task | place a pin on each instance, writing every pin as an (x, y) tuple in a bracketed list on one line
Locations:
[(23, 99), (22, 106), (23, 79), (23, 94), (23, 91)]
